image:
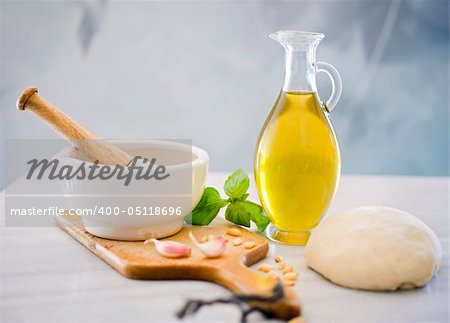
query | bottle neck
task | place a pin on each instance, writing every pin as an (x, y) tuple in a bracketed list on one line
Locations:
[(300, 69)]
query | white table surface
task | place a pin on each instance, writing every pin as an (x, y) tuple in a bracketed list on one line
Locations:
[(47, 276)]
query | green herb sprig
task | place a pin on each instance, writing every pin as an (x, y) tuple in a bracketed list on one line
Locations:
[(239, 210)]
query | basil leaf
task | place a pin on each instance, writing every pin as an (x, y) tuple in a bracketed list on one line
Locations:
[(208, 207), (256, 214), (244, 197), (237, 184), (236, 213), (239, 210)]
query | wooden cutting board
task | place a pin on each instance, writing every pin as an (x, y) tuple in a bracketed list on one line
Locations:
[(139, 261)]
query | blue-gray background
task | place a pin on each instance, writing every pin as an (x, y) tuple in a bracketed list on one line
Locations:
[(207, 71)]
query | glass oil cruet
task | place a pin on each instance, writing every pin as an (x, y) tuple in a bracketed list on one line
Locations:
[(297, 160)]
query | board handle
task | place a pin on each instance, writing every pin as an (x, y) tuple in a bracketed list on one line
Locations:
[(242, 280)]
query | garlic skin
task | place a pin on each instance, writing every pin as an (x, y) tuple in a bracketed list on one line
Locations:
[(213, 248), (170, 249)]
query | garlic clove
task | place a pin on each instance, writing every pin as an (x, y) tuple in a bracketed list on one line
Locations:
[(170, 249), (213, 248)]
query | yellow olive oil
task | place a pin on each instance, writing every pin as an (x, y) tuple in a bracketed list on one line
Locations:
[(297, 166)]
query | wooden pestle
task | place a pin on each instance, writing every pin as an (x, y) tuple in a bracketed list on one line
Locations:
[(92, 146)]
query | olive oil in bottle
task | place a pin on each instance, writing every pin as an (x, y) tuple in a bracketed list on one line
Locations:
[(297, 160)]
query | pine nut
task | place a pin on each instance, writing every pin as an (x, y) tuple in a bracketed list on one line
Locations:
[(237, 242), (278, 259), (249, 245), (234, 232), (282, 265), (273, 274), (288, 269), (264, 268), (290, 276), (289, 283)]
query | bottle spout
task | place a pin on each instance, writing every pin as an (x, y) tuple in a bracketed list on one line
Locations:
[(297, 40), (300, 59)]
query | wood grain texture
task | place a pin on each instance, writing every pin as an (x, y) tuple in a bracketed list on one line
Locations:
[(138, 261), (94, 147)]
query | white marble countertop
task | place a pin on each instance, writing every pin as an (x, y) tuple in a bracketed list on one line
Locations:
[(47, 276)]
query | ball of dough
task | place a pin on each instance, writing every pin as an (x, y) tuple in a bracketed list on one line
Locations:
[(374, 248)]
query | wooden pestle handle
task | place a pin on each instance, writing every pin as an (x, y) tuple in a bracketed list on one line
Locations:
[(87, 142)]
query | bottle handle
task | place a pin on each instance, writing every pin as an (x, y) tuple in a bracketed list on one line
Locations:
[(336, 84)]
